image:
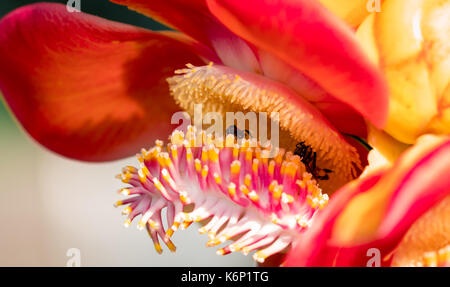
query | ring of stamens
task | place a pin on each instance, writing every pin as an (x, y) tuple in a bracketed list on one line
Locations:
[(220, 89), (235, 185)]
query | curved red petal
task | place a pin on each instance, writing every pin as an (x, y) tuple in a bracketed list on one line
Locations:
[(313, 247), (310, 38), (195, 20), (421, 188), (85, 87), (190, 17)]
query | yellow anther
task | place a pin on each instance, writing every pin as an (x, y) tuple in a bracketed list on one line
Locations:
[(323, 201), (175, 226), (235, 167), (140, 158), (205, 171), (283, 168), (272, 186), (255, 165), (198, 218), (186, 224), (211, 234), (174, 150), (169, 232), (162, 159), (253, 196), (204, 155), (127, 210), (312, 201), (141, 224), (216, 241), (229, 140), (129, 169), (259, 257), (188, 154), (127, 223), (301, 184), (184, 198), (271, 168), (217, 178), (198, 165), (126, 177), (213, 155), (124, 191), (171, 246), (209, 139), (249, 154), (118, 203), (279, 156), (274, 218), (232, 189), (143, 173), (152, 153), (153, 224), (235, 247), (291, 169), (301, 221), (248, 180), (235, 151), (278, 190), (159, 143), (177, 137), (244, 189), (287, 198), (158, 248)]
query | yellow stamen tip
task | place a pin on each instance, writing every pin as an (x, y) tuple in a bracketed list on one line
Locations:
[(127, 210), (158, 248), (171, 246), (127, 223)]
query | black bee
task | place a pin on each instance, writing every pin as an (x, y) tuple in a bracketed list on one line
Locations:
[(308, 157), (239, 134)]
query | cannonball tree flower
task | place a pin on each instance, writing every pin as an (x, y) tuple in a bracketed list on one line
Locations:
[(402, 210), (96, 90), (409, 41)]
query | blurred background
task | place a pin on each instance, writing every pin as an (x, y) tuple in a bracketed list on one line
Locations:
[(50, 204)]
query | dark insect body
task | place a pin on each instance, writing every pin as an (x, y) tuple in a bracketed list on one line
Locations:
[(309, 158)]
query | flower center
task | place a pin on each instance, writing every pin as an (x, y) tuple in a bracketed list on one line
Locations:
[(327, 156), (260, 202)]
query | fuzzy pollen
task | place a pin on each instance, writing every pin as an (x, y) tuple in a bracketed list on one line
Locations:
[(260, 203), (220, 89)]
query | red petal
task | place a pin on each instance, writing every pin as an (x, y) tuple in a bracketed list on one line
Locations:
[(190, 17), (194, 19), (85, 87), (414, 185), (341, 115), (310, 38), (313, 248)]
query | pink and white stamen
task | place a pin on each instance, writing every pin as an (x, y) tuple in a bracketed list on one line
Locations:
[(261, 203)]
